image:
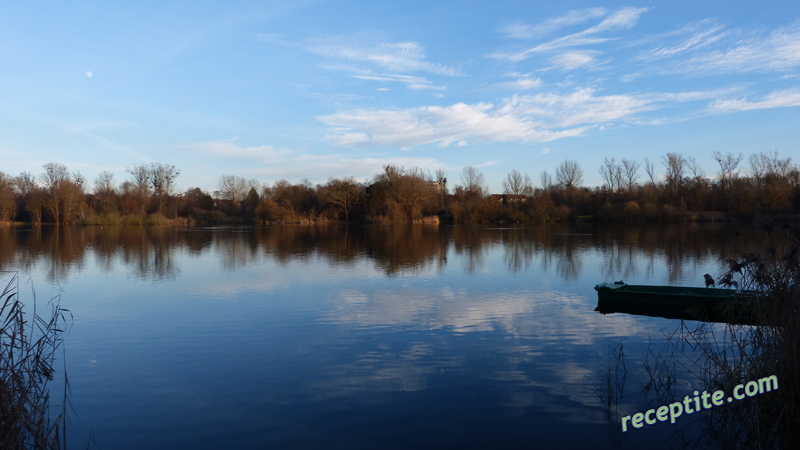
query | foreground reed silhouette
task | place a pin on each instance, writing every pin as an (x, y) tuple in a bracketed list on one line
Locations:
[(719, 357), (28, 344)]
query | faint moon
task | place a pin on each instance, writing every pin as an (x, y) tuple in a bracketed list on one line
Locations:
[(89, 74)]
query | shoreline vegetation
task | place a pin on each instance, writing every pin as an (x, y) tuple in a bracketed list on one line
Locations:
[(28, 349), (766, 185), (720, 357)]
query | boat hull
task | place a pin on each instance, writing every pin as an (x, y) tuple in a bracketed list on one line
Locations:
[(672, 302)]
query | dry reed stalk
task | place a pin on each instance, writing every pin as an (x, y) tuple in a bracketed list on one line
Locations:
[(27, 354), (724, 356)]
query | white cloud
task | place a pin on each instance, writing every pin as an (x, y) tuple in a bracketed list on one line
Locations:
[(541, 117), (372, 49), (622, 19), (780, 51), (689, 38), (442, 125), (523, 31), (412, 82), (581, 107), (777, 99), (369, 56), (574, 59), (523, 81), (711, 51)]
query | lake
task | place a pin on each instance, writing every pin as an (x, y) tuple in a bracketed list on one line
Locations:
[(356, 337)]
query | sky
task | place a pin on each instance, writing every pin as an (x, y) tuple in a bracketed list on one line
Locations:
[(272, 90)]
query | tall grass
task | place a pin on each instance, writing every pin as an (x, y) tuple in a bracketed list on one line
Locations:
[(744, 353), (720, 357), (28, 345)]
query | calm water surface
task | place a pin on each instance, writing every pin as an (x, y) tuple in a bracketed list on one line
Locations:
[(355, 337)]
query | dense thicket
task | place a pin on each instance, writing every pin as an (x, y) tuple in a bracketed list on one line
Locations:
[(766, 183)]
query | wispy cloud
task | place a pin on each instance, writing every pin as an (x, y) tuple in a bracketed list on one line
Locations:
[(444, 126), (372, 48), (574, 59), (370, 56), (779, 51), (623, 19), (686, 39), (579, 108), (522, 81), (411, 81), (708, 48), (541, 117), (521, 30), (777, 99)]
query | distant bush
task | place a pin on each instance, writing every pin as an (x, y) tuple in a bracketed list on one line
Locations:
[(102, 219), (157, 219), (134, 219)]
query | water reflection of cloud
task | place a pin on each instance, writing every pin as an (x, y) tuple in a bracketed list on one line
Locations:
[(545, 315), (383, 372), (547, 359)]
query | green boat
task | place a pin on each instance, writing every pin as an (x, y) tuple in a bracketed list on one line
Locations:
[(673, 302)]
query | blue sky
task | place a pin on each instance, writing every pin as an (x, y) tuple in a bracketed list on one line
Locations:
[(314, 89)]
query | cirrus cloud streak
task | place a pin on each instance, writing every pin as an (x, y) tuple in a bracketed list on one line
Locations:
[(541, 117)]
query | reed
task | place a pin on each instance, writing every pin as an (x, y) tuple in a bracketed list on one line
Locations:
[(720, 357), (742, 353), (28, 345)]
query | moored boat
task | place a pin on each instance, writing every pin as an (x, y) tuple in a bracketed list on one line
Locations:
[(674, 302)]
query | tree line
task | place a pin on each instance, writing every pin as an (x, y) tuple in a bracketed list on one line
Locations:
[(764, 183)]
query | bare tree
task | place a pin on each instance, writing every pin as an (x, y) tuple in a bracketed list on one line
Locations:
[(104, 182), (53, 179), (473, 182), (728, 164), (25, 183), (612, 174), (758, 167), (694, 168), (80, 181), (650, 169), (6, 181), (71, 196), (516, 186), (630, 167), (569, 174), (54, 174), (441, 186), (675, 164), (7, 204), (162, 178), (141, 182), (233, 188), (105, 190), (345, 194), (779, 167), (255, 184), (546, 179)]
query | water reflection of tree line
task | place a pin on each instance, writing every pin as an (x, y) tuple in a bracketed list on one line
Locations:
[(151, 251)]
